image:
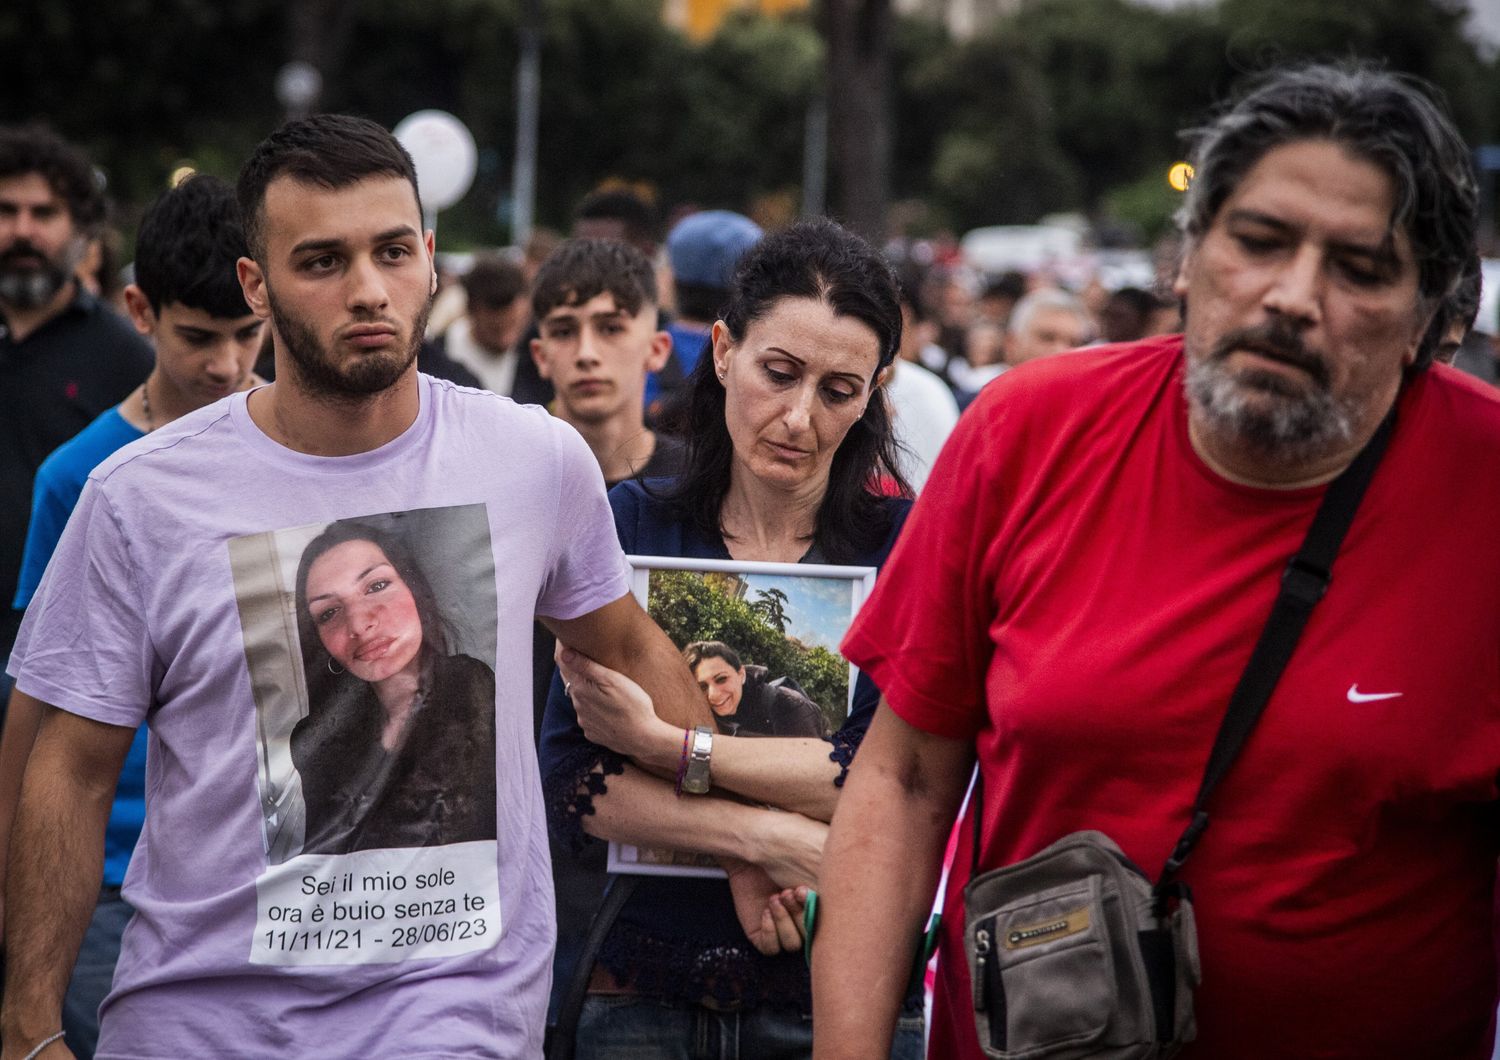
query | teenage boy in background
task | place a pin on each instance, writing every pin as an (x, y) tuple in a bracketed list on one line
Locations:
[(187, 301), (595, 304)]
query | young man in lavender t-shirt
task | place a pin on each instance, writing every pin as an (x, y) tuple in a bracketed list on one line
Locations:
[(319, 595)]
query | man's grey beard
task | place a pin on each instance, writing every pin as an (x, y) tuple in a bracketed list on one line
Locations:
[(34, 288), (1266, 413)]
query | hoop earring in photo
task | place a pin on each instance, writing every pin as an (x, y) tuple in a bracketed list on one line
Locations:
[(331, 669)]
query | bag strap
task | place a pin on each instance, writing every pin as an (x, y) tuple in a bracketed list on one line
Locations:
[(1303, 583), (562, 1039)]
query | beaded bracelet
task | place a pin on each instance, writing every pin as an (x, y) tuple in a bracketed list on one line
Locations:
[(43, 1044), (682, 763)]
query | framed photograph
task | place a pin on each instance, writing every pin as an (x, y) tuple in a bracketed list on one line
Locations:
[(762, 640)]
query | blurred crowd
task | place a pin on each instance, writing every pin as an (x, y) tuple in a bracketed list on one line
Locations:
[(631, 329)]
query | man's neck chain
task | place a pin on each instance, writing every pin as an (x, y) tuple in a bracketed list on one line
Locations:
[(146, 405)]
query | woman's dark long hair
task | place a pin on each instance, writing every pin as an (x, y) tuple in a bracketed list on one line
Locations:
[(820, 260), (315, 657)]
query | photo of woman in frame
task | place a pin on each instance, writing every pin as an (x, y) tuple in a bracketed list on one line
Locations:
[(746, 700), (398, 747)]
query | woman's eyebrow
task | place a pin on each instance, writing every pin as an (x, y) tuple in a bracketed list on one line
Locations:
[(361, 577)]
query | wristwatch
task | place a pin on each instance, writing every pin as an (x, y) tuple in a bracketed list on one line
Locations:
[(696, 779)]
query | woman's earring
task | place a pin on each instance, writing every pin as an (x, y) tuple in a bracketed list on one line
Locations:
[(331, 669)]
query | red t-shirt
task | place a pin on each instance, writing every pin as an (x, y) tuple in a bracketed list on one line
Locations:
[(1077, 592)]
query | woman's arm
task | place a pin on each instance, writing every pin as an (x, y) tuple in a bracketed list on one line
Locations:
[(641, 810), (583, 779), (794, 774)]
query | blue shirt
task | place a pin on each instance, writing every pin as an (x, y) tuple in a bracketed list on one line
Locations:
[(688, 344), (678, 937), (55, 492)]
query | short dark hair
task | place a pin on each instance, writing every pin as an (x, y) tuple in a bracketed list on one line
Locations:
[(493, 282), (699, 650), (186, 250), (823, 261), (27, 149), (625, 206), (1138, 300), (1461, 305), (580, 269), (1010, 285), (1387, 119), (699, 301), (330, 150)]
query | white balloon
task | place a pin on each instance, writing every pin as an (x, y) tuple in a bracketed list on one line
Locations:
[(443, 150)]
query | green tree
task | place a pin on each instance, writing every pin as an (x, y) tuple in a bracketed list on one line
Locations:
[(770, 606)]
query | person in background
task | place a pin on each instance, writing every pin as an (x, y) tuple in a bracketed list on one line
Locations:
[(594, 301), (983, 360), (998, 299), (923, 410), (621, 214), (787, 435), (186, 301), (703, 248), (597, 343), (1045, 322), (1128, 315), (486, 339), (1460, 341), (65, 356)]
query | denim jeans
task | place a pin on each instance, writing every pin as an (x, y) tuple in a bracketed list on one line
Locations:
[(637, 1028), (94, 972)]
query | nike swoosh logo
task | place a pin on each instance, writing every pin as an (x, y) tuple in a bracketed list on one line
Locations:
[(1356, 696)]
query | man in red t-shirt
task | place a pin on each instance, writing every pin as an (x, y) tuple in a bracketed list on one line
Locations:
[(1095, 554)]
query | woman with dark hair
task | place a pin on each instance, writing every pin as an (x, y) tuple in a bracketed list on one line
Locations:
[(398, 747), (746, 700), (790, 458)]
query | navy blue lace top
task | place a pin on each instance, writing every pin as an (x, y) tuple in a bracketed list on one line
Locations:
[(678, 938)]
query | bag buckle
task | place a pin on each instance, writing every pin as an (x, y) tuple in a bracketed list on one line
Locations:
[(1303, 582), (1185, 845)]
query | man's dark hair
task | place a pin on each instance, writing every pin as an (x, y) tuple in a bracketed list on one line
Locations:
[(330, 150), (699, 301), (1461, 305), (623, 205), (185, 252), (1387, 119), (1138, 300), (823, 261), (37, 149), (581, 269), (493, 282), (1010, 285)]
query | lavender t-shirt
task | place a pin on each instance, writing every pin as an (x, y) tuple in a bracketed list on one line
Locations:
[(314, 878)]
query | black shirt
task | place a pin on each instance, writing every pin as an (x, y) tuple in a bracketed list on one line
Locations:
[(53, 384)]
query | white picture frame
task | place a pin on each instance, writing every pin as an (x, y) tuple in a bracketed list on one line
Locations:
[(814, 608)]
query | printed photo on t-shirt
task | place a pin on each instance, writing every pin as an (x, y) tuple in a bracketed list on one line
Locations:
[(370, 643)]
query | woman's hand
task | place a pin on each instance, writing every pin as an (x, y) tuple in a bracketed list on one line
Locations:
[(771, 916), (789, 847), (615, 712)]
